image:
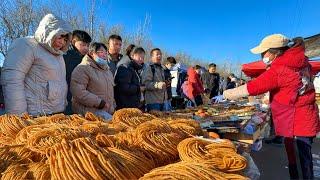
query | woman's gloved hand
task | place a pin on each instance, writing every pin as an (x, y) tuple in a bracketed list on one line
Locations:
[(217, 99), (236, 93)]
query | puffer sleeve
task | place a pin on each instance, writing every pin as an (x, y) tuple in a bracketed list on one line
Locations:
[(17, 64)]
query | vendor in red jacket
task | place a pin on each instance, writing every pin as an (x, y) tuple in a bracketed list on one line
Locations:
[(292, 97), (194, 85)]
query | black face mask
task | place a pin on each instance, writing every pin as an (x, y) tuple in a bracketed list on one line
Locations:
[(136, 66)]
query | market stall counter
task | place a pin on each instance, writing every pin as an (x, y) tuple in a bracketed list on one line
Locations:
[(237, 121)]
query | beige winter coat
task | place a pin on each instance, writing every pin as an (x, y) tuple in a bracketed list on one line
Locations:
[(89, 85), (154, 94), (33, 74)]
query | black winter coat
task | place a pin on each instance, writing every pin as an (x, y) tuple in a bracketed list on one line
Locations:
[(72, 59), (127, 84), (167, 76)]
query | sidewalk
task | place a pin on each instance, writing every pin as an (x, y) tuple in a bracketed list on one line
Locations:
[(272, 161)]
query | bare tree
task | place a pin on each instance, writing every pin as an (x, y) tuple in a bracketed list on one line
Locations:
[(183, 58), (66, 11), (142, 33), (16, 20), (92, 6), (19, 18), (96, 21)]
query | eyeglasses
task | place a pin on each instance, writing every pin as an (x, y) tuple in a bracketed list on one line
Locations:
[(101, 52)]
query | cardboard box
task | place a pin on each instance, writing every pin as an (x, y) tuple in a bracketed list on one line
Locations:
[(247, 138)]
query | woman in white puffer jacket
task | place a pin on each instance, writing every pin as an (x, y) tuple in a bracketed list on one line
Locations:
[(33, 74)]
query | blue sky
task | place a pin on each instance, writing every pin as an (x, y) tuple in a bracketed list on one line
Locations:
[(217, 30)]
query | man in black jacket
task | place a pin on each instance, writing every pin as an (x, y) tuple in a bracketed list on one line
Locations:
[(211, 81), (79, 47), (127, 79)]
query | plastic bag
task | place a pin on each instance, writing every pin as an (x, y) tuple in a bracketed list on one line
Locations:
[(257, 146), (251, 170), (256, 119), (189, 104), (266, 132), (316, 165), (249, 129), (106, 116)]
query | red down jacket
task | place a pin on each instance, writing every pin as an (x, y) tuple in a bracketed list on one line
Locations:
[(194, 85), (293, 114)]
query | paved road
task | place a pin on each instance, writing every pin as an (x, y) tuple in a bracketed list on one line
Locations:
[(271, 161)]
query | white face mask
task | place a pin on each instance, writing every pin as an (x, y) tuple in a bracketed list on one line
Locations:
[(267, 61)]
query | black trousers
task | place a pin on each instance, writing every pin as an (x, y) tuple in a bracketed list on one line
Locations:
[(299, 149), (198, 100), (214, 92), (68, 110)]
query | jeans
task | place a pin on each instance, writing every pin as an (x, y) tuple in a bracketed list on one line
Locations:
[(167, 105), (156, 106), (299, 147)]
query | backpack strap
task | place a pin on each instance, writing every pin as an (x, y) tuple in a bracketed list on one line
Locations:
[(153, 70)]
